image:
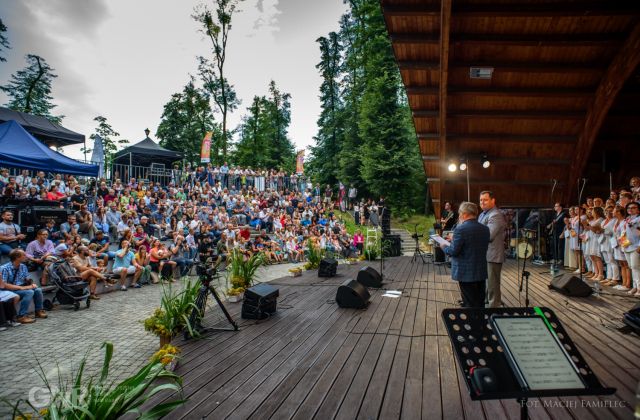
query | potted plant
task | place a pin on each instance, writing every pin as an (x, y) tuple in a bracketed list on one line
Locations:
[(173, 314), (235, 294), (242, 269), (314, 256)]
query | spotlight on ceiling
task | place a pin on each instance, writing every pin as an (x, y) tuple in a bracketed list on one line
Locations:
[(485, 162), (453, 167), (463, 165)]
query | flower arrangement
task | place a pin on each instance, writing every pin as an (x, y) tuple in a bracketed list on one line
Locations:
[(159, 324), (314, 256), (165, 355), (235, 291)]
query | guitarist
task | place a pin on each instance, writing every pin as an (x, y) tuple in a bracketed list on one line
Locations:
[(448, 218)]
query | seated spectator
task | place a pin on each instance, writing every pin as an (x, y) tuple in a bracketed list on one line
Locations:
[(113, 219), (14, 277), (40, 253), (10, 236), (53, 230), (86, 271), (142, 258), (78, 199), (8, 302), (85, 221), (179, 253), (70, 228), (158, 258), (124, 264), (102, 249)]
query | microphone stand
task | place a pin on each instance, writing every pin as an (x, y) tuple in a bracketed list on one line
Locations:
[(554, 264), (382, 277), (525, 273)]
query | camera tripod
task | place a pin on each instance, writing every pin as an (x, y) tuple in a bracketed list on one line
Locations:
[(417, 252), (195, 318)]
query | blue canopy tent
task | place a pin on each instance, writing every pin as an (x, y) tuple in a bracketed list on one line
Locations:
[(19, 149)]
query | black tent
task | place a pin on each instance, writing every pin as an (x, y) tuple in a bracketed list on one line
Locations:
[(41, 128), (146, 152)]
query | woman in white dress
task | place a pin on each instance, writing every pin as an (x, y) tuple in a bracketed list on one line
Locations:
[(632, 245), (569, 255), (613, 271), (594, 233), (618, 253), (575, 243)]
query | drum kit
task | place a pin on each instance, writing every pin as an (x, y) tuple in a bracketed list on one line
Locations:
[(526, 243)]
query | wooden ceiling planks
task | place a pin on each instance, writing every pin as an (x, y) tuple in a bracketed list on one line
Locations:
[(549, 57)]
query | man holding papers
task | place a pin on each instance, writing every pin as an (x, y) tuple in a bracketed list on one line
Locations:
[(468, 252)]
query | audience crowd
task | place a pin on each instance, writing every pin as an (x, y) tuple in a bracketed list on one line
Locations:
[(156, 233)]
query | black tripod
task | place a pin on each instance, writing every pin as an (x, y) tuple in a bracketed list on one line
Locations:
[(206, 274), (417, 252)]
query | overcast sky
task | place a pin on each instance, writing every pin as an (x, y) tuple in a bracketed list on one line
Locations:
[(123, 59)]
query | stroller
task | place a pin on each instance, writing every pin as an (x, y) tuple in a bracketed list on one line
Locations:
[(70, 288)]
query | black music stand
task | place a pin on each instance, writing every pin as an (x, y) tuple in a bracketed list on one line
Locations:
[(477, 345)]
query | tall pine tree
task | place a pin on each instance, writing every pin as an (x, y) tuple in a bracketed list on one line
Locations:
[(325, 155), (29, 89)]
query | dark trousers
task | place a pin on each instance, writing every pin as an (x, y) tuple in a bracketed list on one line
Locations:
[(473, 293), (7, 312)]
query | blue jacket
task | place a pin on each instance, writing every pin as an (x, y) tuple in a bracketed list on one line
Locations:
[(468, 251)]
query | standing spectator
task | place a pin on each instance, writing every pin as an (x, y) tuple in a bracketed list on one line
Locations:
[(632, 245), (353, 194), (328, 193), (493, 218), (468, 252), (15, 278), (10, 236)]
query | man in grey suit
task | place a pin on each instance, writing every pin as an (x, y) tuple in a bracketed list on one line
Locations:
[(468, 252), (493, 218)]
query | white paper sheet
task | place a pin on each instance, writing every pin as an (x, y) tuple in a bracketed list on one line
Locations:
[(440, 240)]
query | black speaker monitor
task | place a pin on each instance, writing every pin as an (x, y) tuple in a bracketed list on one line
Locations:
[(570, 285), (328, 267), (369, 277), (260, 301), (352, 294)]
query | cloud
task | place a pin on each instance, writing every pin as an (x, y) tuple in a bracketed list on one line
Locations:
[(28, 21)]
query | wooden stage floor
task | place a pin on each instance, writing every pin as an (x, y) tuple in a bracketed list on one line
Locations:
[(392, 360)]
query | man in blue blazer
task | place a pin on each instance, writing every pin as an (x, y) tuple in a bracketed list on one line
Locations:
[(468, 252)]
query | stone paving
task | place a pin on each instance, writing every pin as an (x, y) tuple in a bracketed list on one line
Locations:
[(66, 336)]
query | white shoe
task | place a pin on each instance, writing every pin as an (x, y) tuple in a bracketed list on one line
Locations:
[(13, 323), (123, 288), (621, 288), (3, 328), (577, 271)]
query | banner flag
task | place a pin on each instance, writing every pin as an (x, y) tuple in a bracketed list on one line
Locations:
[(300, 162), (205, 152)]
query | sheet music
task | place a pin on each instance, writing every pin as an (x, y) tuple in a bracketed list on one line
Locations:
[(541, 360), (440, 240)]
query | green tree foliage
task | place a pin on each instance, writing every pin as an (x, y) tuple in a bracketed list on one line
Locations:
[(264, 141), (29, 89), (4, 41), (326, 152), (110, 142), (185, 120), (375, 147), (216, 26)]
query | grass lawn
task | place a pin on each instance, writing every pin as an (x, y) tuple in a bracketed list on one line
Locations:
[(424, 222)]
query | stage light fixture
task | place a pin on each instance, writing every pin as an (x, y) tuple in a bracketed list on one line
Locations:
[(485, 162), (463, 165), (453, 167)]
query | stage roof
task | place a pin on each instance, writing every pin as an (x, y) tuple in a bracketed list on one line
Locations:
[(560, 88)]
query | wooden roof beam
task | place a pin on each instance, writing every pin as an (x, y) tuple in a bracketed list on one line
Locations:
[(510, 67), (504, 91), (526, 161), (445, 33), (577, 10), (506, 138), (504, 114), (536, 40), (619, 71)]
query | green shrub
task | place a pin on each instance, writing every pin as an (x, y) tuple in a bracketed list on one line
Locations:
[(83, 397), (314, 256)]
